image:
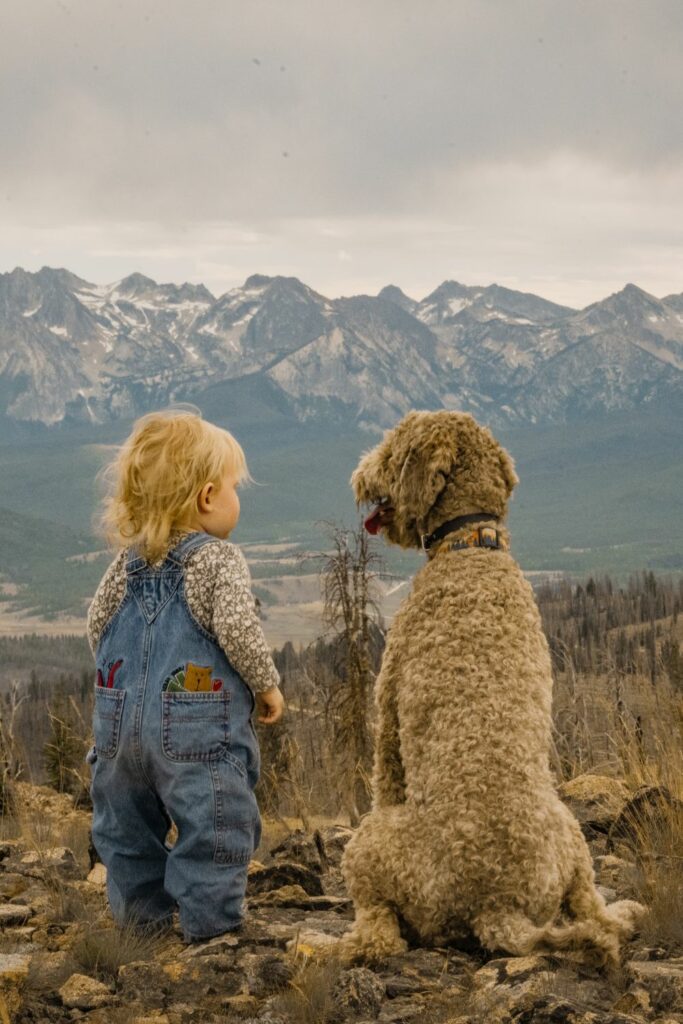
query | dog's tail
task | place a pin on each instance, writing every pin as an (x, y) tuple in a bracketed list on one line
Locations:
[(595, 928)]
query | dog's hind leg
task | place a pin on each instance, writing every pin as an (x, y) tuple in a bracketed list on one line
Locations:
[(369, 867), (614, 921), (514, 933), (596, 931)]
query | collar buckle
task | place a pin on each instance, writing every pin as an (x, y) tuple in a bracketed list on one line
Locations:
[(427, 539)]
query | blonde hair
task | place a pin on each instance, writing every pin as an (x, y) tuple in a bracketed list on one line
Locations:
[(157, 475)]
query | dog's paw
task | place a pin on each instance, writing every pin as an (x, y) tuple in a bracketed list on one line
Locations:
[(317, 946), (364, 947)]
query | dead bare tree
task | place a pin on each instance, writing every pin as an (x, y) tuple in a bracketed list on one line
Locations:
[(11, 763), (351, 613)]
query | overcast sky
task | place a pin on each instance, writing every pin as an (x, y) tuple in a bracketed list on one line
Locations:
[(535, 143)]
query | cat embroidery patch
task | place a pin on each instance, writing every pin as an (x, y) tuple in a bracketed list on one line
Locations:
[(113, 668), (196, 678)]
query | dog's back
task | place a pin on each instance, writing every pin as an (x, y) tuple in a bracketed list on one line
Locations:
[(468, 658)]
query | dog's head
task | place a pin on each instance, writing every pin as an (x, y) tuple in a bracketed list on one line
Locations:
[(432, 467)]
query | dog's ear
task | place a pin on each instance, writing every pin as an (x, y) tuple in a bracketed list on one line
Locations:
[(423, 478), (357, 481), (507, 466)]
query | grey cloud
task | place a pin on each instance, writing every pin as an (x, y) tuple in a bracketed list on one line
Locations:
[(170, 116)]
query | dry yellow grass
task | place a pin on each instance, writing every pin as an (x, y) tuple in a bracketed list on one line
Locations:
[(632, 729), (309, 997)]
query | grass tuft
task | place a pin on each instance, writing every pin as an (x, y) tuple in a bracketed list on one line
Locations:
[(105, 948), (308, 1000)]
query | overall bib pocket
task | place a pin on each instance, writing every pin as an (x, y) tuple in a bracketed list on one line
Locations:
[(195, 726), (107, 719)]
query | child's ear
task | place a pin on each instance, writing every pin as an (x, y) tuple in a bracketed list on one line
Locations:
[(205, 497)]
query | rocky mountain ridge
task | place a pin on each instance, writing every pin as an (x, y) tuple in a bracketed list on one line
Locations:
[(74, 351)]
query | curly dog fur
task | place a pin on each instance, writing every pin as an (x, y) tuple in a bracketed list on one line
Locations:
[(466, 833)]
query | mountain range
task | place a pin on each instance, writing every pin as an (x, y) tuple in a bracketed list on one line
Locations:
[(74, 352)]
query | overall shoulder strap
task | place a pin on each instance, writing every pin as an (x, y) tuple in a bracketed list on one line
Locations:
[(175, 556), (192, 542), (134, 562)]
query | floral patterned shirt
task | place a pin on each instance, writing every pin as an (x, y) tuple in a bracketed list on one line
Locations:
[(218, 591)]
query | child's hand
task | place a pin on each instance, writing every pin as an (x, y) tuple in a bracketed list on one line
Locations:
[(270, 703)]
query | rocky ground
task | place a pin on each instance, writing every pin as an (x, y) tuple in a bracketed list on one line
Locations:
[(62, 960)]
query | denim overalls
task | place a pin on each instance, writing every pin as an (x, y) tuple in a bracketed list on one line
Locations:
[(163, 749)]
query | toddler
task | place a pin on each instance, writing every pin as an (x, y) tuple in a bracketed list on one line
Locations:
[(180, 655)]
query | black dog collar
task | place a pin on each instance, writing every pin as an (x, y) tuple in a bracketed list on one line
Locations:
[(428, 539)]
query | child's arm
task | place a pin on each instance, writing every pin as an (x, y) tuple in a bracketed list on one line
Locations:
[(234, 620), (108, 597)]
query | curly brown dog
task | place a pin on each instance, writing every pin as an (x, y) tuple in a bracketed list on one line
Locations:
[(466, 833)]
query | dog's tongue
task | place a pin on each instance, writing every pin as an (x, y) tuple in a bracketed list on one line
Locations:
[(374, 521)]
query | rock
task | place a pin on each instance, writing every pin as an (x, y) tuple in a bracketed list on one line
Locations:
[(145, 981), (208, 977), (635, 1000), (616, 873), (266, 973), (422, 970), (332, 924), (226, 943), (12, 885), (289, 922), (14, 914), (300, 847), (331, 841), (398, 986), (58, 859), (14, 969), (185, 1013), (651, 953), (84, 993), (663, 980), (256, 933), (253, 933), (200, 982), (357, 992), (402, 1011), (553, 1010), (274, 876), (595, 800), (49, 970), (506, 987), (296, 896), (98, 875), (242, 1004), (506, 979), (8, 847)]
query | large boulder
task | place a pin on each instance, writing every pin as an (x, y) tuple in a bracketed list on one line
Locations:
[(663, 981), (331, 841), (285, 872), (357, 993), (14, 969), (81, 992), (595, 801), (301, 848)]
